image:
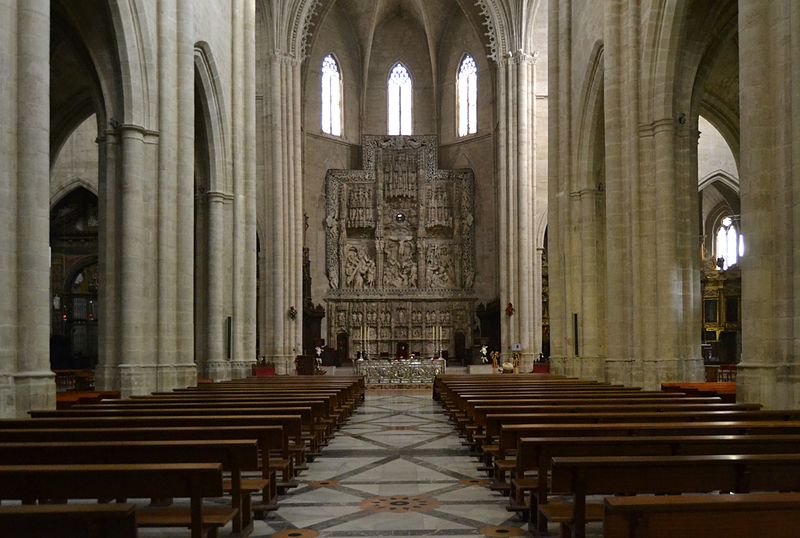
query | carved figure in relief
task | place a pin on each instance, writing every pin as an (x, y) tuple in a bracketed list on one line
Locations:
[(407, 264), (399, 268), (391, 267), (359, 269), (386, 317), (439, 267), (332, 236), (416, 316)]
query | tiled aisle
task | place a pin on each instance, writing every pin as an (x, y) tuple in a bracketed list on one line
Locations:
[(396, 469)]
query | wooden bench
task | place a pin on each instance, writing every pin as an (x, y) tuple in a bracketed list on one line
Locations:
[(235, 456), (535, 453), (495, 423), (308, 422), (634, 475), (122, 481), (270, 439), (773, 515), (84, 520), (511, 433), (291, 425)]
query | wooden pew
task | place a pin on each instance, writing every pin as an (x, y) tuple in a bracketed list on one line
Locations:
[(480, 412), (634, 475), (742, 515), (291, 429), (194, 481), (309, 427), (494, 424), (459, 408), (84, 520), (534, 454), (323, 419), (268, 438), (235, 456), (511, 433)]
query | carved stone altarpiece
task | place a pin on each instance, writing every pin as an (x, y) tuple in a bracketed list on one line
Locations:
[(400, 249)]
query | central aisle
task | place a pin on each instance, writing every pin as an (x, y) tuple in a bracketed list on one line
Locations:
[(397, 468)]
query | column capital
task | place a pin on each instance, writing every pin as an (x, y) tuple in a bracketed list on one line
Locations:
[(284, 58), (520, 57)]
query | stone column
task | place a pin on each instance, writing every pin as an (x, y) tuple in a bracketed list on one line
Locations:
[(216, 367), (167, 191), (185, 370), (242, 362), (558, 64), (106, 373), (284, 219), (240, 354), (769, 45), (137, 352), (26, 381), (517, 238), (620, 282)]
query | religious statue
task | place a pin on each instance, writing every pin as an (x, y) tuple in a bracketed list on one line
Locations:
[(359, 269), (484, 350)]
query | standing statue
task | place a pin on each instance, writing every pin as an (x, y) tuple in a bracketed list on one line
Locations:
[(359, 269)]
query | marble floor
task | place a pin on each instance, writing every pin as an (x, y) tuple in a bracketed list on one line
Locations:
[(397, 468)]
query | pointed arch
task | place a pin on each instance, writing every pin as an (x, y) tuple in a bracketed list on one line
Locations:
[(136, 54), (67, 188), (212, 107)]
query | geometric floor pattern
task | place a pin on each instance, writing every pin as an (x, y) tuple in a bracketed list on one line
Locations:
[(397, 468)]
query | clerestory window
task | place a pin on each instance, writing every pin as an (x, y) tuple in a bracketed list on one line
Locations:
[(331, 96), (467, 96), (399, 100)]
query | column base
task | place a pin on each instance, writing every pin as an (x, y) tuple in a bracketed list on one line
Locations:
[(764, 383), (106, 377), (558, 365), (34, 390), (526, 360), (137, 379), (621, 371), (284, 365), (241, 369), (173, 376), (218, 370)]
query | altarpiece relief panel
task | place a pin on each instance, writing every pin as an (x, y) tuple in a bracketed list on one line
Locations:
[(400, 250)]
